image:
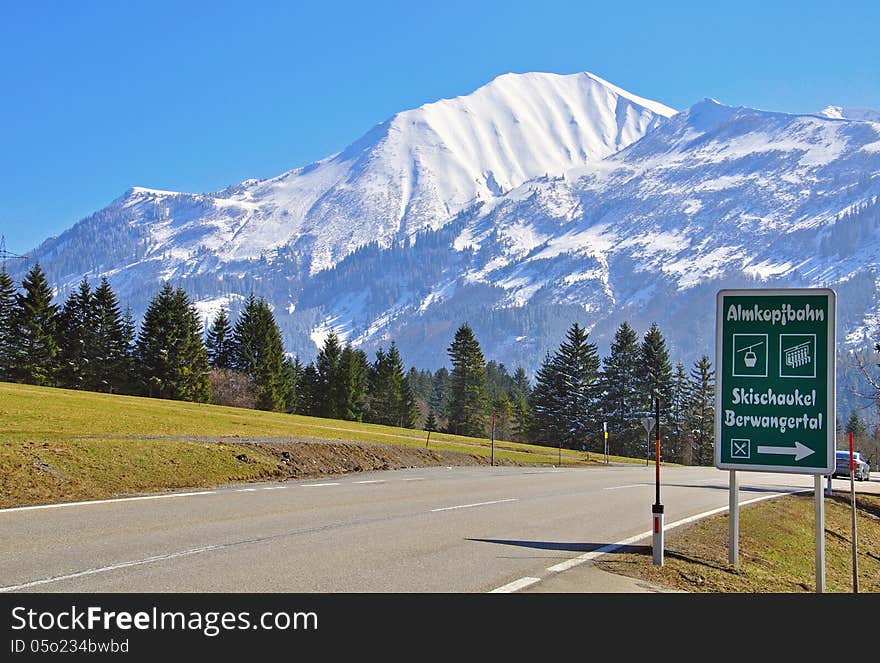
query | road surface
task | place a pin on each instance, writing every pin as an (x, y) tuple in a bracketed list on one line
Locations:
[(458, 529)]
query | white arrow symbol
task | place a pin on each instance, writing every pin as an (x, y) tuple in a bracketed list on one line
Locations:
[(799, 451)]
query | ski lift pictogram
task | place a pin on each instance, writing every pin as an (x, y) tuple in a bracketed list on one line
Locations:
[(750, 358)]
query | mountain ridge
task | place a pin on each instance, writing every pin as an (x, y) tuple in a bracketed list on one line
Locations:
[(656, 214)]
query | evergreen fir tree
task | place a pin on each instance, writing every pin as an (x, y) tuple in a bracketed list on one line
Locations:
[(546, 409), (502, 409), (109, 351), (8, 340), (258, 352), (76, 339), (219, 341), (309, 386), (440, 392), (676, 438), (293, 384), (468, 391), (701, 414), (390, 399), (406, 411), (171, 358), (566, 390), (657, 371), (519, 402), (326, 396), (35, 324), (351, 383), (128, 371), (623, 401), (521, 386), (856, 426), (430, 421), (578, 364)]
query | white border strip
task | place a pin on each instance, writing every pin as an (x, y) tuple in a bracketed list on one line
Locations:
[(515, 586), (110, 501), (593, 554)]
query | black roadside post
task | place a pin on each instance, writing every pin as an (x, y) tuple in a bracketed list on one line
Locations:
[(493, 440), (428, 440), (605, 435), (657, 507)]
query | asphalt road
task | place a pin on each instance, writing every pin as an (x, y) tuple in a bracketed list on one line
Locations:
[(459, 529)]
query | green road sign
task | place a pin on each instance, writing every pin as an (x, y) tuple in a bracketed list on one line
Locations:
[(775, 382)]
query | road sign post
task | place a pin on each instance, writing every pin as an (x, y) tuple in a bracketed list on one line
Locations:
[(775, 390), (647, 424), (605, 435)]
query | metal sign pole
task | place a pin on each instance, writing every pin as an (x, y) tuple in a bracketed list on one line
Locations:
[(852, 493), (733, 520), (820, 534)]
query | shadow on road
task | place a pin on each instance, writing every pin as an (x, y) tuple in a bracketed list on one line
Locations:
[(742, 489), (562, 545)]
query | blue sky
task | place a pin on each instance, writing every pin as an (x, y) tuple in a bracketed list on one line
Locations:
[(194, 96)]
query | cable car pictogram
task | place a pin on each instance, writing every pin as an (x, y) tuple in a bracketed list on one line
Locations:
[(750, 358)]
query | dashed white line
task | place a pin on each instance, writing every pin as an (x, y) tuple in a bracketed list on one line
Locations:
[(245, 490), (370, 481), (515, 586), (629, 485), (415, 479), (274, 487), (468, 506), (319, 485)]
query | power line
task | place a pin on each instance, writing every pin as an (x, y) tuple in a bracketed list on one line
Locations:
[(5, 255)]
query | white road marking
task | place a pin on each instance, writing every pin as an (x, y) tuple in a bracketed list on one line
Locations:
[(515, 586), (318, 485), (246, 490), (629, 485), (415, 479), (110, 501), (113, 567), (371, 481), (274, 487), (467, 506), (593, 554)]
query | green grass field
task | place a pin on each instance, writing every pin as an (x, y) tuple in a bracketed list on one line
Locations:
[(64, 444)]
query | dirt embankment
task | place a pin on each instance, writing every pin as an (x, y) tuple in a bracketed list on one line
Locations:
[(300, 458)]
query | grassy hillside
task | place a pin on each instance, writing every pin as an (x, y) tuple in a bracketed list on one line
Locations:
[(58, 444)]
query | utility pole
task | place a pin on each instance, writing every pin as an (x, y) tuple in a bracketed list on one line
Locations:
[(5, 255)]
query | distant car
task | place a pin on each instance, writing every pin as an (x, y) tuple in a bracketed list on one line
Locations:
[(862, 471)]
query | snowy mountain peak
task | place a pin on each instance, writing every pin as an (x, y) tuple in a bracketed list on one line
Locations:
[(534, 201), (413, 172), (845, 113)]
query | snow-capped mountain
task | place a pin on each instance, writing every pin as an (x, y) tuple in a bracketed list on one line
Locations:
[(846, 113), (534, 202), (412, 172)]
